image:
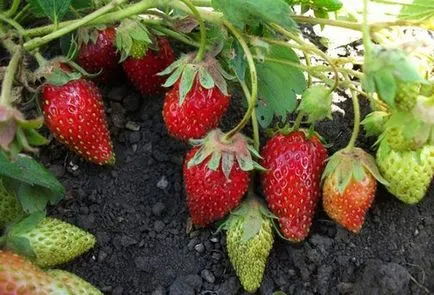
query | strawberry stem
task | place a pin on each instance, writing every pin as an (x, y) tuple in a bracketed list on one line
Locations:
[(254, 120), (202, 28), (5, 98), (356, 127), (253, 77), (298, 120), (37, 42), (13, 9)]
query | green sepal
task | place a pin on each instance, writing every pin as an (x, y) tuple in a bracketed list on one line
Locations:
[(14, 235), (374, 123), (59, 77), (354, 164), (225, 153), (316, 102), (209, 73), (132, 37)]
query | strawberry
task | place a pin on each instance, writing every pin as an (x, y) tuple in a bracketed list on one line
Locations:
[(194, 107), (99, 54), (142, 72), (20, 276), (10, 208), (291, 182), (75, 284), (350, 183), (249, 236), (213, 190), (48, 241), (200, 112), (406, 95), (74, 112), (409, 173)]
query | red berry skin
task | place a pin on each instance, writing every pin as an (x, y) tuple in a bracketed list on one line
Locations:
[(102, 55), (210, 196), (291, 183), (349, 208), (142, 72), (200, 112), (20, 277), (74, 113)]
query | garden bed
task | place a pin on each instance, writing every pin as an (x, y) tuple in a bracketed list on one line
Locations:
[(138, 213)]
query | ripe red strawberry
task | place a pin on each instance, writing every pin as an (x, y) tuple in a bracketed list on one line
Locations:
[(74, 112), (19, 276), (101, 55), (142, 72), (213, 190), (350, 182), (200, 112), (291, 183)]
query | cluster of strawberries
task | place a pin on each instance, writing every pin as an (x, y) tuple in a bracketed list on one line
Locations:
[(217, 170)]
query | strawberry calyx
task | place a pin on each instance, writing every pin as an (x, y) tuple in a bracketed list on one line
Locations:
[(253, 213), (406, 131), (14, 236), (225, 153), (89, 34), (424, 109), (132, 39), (374, 123), (316, 103), (209, 73), (346, 165), (18, 134)]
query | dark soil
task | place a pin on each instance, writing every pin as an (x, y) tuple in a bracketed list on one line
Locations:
[(138, 213)]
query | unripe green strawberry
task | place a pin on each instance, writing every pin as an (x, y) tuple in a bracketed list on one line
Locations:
[(10, 208), (397, 141), (249, 241), (406, 95), (409, 173), (18, 276), (48, 241), (74, 283)]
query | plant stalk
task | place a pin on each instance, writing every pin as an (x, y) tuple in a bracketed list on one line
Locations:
[(298, 120), (356, 128), (254, 120), (253, 78), (21, 12), (201, 52), (98, 14), (5, 98), (13, 9)]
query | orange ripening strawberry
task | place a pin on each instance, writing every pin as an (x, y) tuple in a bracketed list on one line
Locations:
[(74, 113), (18, 276), (142, 68), (291, 182), (216, 176), (350, 183), (98, 54)]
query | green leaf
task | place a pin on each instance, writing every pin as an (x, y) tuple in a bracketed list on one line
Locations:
[(386, 85), (34, 137), (26, 169), (254, 12), (55, 10), (27, 224), (239, 62), (278, 84), (316, 102), (36, 198), (420, 10), (21, 246), (187, 80)]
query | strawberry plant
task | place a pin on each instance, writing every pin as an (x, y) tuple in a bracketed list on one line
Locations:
[(257, 186)]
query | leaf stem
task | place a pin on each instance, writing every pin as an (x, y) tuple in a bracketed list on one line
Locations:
[(13, 9), (13, 23), (253, 77), (5, 98), (21, 12), (202, 28), (366, 35), (97, 17), (178, 36)]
